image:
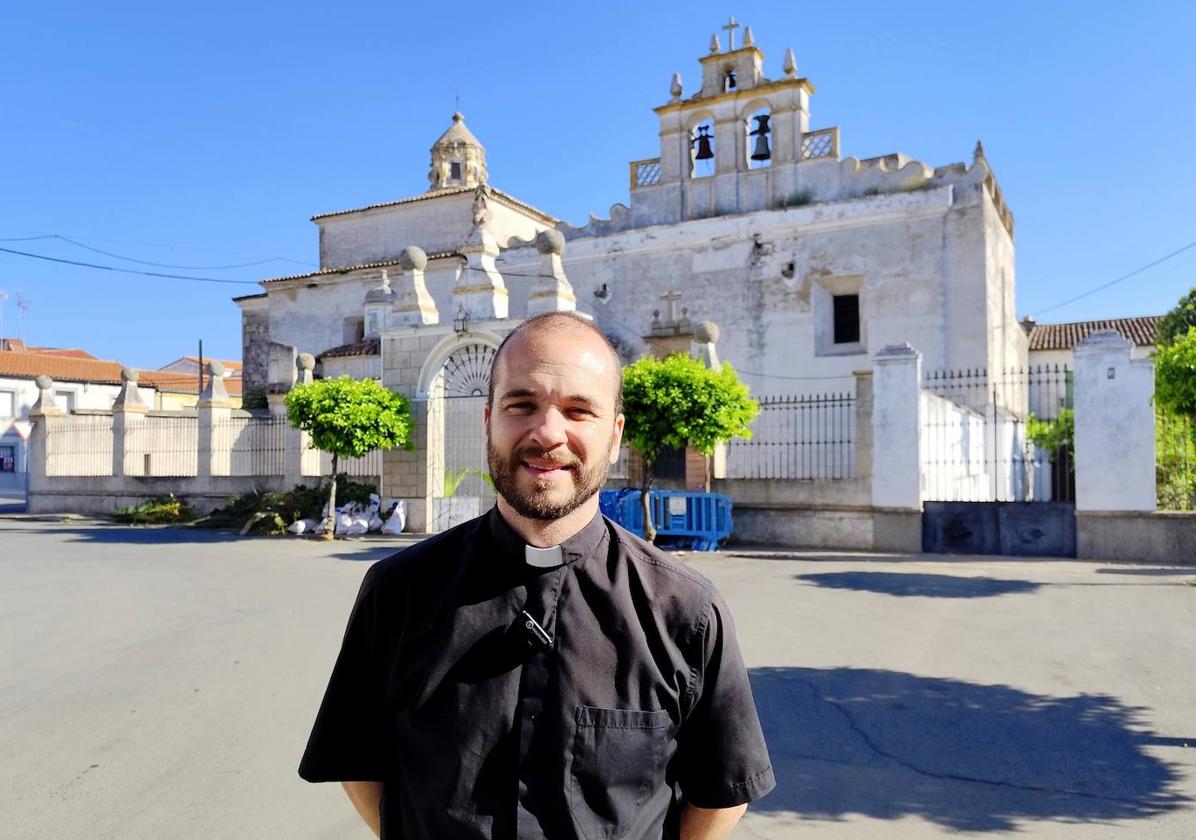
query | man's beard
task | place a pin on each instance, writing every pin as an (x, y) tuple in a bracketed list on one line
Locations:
[(535, 503)]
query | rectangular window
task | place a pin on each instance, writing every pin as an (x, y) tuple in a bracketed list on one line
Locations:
[(8, 404), (455, 171), (8, 459), (65, 400), (847, 319)]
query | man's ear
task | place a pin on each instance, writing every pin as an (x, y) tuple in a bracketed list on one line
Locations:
[(616, 439), (486, 417)]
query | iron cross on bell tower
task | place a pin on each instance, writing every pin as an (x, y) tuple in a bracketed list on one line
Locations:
[(731, 25)]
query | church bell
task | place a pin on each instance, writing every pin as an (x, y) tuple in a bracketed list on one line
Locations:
[(703, 143), (760, 132)]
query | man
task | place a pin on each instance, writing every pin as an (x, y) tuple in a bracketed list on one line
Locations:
[(539, 672)]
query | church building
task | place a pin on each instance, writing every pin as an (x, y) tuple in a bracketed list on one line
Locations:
[(809, 262)]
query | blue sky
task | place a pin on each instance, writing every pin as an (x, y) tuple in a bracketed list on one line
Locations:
[(207, 134)]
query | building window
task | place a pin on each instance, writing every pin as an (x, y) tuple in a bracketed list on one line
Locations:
[(847, 319), (353, 330), (65, 400), (8, 459), (8, 404), (455, 170)]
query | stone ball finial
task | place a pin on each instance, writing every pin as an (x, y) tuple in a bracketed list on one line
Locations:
[(130, 375), (44, 382), (412, 258), (550, 242), (707, 332), (216, 369), (307, 361)]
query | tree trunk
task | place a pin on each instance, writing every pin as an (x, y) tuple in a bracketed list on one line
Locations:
[(330, 522), (646, 500), (708, 460)]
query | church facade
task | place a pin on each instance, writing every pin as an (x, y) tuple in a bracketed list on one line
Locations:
[(809, 262)]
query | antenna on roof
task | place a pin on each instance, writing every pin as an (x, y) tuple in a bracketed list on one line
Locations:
[(3, 297), (22, 307)]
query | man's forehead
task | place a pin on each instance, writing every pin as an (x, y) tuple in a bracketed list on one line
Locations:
[(577, 355)]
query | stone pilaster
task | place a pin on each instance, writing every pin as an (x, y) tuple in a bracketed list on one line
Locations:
[(213, 412), (551, 291), (128, 420), (1115, 426), (40, 438), (896, 454), (480, 291), (413, 304)]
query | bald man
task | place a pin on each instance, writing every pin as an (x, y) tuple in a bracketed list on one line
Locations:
[(539, 672)]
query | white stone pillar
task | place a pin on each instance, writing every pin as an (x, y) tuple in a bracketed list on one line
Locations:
[(413, 303), (551, 290), (1115, 427), (896, 454), (40, 442), (213, 411), (480, 292), (128, 419)]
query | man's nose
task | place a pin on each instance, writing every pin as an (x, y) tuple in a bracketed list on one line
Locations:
[(549, 430)]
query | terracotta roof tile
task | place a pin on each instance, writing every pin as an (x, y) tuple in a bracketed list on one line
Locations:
[(1140, 331), (367, 347), (504, 196), (324, 272), (100, 371)]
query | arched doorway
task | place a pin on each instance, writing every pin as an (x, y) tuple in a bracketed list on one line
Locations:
[(456, 435)]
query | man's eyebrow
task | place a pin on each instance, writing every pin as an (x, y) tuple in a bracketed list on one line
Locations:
[(520, 393), (516, 393)]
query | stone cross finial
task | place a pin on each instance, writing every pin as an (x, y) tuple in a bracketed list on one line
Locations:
[(730, 26), (670, 301)]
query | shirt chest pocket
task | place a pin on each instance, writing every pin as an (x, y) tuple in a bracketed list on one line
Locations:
[(618, 764)]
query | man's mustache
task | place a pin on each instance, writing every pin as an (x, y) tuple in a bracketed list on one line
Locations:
[(545, 457)]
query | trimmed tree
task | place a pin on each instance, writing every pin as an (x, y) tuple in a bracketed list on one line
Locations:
[(348, 418), (1175, 374), (1175, 324), (669, 403)]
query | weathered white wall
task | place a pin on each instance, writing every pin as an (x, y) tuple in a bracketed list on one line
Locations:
[(1066, 358), (896, 424), (919, 261), (1115, 426)]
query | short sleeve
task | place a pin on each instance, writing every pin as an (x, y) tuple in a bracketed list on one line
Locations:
[(722, 757), (347, 740)]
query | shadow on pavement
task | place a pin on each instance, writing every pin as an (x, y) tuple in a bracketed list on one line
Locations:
[(146, 535), (887, 745), (919, 585)]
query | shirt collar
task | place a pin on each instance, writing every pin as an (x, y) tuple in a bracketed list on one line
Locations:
[(579, 546)]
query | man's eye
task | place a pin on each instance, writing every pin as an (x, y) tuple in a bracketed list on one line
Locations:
[(580, 412), (522, 406)]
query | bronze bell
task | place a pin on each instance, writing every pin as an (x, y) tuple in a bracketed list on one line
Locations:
[(703, 143), (760, 132)]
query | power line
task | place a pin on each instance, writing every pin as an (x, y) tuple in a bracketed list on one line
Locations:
[(85, 247), (1117, 280), (130, 270)]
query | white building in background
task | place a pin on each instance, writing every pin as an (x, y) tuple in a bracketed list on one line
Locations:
[(809, 262)]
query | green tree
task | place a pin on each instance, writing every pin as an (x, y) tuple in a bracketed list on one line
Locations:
[(1175, 374), (348, 418), (677, 401), (1176, 323)]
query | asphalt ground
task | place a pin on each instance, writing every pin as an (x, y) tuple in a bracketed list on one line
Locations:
[(160, 683)]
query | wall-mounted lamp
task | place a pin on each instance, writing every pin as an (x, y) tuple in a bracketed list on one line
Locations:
[(461, 321)]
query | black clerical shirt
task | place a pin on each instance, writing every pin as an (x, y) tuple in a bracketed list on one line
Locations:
[(637, 701)]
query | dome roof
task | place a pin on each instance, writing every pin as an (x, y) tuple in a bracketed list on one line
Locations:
[(458, 133)]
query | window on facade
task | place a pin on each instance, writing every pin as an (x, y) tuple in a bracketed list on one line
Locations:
[(371, 324), (65, 400), (455, 170), (8, 404), (670, 463), (847, 319), (8, 459), (354, 330)]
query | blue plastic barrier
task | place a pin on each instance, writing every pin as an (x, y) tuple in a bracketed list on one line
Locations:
[(699, 521)]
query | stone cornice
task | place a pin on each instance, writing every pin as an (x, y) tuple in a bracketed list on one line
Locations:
[(739, 94)]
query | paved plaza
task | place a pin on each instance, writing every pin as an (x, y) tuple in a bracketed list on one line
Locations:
[(160, 683)]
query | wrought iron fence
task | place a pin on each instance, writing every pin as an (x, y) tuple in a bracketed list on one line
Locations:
[(798, 437), (256, 445), (1175, 460), (998, 437), (78, 445), (162, 446)]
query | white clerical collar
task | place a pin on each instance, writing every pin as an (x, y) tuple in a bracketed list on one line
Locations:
[(543, 558)]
